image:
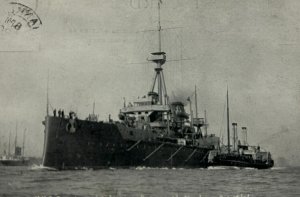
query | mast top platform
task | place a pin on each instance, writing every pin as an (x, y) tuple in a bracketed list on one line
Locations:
[(158, 58), (158, 53)]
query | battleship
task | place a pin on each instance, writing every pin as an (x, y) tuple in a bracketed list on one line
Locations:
[(239, 154), (151, 131)]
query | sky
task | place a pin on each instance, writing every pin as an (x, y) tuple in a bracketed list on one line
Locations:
[(96, 51)]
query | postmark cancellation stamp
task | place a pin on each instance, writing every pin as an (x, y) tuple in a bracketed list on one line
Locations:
[(20, 18)]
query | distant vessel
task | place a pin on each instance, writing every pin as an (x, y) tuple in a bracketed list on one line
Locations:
[(151, 131), (240, 154), (14, 160), (17, 158)]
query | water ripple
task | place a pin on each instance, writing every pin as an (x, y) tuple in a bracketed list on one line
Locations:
[(143, 181)]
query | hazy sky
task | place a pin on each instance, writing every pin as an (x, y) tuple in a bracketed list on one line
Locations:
[(96, 50)]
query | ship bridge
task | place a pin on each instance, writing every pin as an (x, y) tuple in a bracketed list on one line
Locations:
[(146, 104), (145, 108)]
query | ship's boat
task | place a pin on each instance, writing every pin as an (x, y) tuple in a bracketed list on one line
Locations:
[(151, 131)]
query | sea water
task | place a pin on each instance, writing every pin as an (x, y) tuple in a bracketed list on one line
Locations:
[(38, 181)]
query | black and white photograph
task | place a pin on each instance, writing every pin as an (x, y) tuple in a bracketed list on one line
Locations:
[(150, 98)]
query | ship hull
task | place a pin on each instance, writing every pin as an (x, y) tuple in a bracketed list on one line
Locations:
[(103, 145), (14, 162), (240, 161)]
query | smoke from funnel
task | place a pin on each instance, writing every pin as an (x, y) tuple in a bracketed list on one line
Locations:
[(181, 95)]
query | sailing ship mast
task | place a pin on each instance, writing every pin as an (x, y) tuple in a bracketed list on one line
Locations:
[(9, 143), (228, 129), (23, 148), (16, 136)]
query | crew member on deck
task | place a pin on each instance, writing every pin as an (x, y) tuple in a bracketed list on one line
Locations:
[(109, 118), (59, 113), (54, 112), (62, 114)]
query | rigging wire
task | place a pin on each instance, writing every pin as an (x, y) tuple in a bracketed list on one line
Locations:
[(222, 122)]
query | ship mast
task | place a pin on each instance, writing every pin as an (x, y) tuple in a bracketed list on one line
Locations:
[(191, 111), (94, 107), (228, 129), (159, 58), (159, 26), (205, 122), (23, 148), (47, 103), (9, 143), (196, 106), (16, 136)]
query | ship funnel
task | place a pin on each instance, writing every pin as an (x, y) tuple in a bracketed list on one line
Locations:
[(235, 137), (244, 131)]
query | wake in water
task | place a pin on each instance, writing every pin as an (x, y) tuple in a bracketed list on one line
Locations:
[(209, 168), (151, 168), (41, 167), (229, 168), (216, 168), (164, 168), (278, 168), (250, 168)]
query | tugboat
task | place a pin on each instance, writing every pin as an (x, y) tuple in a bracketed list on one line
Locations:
[(16, 159), (151, 131), (239, 155)]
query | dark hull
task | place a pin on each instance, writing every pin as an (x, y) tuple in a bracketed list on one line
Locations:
[(103, 145), (14, 162), (240, 161)]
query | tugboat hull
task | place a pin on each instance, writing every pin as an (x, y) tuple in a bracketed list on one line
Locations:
[(240, 161)]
